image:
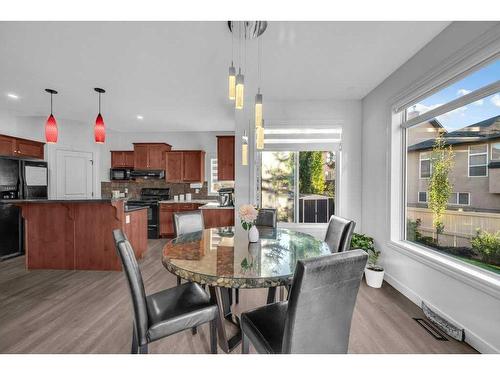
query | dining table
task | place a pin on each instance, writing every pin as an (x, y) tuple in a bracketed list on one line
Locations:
[(223, 259)]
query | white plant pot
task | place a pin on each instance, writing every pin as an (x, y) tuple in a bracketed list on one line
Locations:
[(374, 278), (253, 234)]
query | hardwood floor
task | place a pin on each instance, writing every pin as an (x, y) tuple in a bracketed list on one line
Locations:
[(55, 311)]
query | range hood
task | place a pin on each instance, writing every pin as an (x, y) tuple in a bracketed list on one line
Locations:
[(148, 174)]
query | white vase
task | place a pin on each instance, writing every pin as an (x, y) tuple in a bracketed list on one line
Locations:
[(374, 278), (253, 234)]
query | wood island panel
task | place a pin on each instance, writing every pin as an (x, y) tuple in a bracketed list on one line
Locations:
[(79, 235), (214, 218)]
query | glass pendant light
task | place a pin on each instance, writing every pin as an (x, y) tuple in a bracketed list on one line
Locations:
[(258, 109), (51, 131), (232, 82), (259, 136), (240, 90), (244, 149), (99, 128)]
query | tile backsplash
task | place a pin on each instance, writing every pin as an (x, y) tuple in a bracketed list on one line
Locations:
[(134, 188)]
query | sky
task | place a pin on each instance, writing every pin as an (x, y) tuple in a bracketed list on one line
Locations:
[(472, 113)]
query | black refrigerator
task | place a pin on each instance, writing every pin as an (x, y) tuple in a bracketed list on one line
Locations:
[(19, 179)]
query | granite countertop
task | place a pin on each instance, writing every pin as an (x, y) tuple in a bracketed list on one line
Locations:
[(215, 206), (199, 201), (59, 200)]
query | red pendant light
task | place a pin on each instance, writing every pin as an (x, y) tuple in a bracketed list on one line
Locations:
[(51, 131), (99, 127)]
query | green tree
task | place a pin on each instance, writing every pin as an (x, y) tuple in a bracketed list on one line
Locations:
[(311, 177), (440, 186)]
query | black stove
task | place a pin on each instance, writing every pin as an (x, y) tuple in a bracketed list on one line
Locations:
[(150, 198)]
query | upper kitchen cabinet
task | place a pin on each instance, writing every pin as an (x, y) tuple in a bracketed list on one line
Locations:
[(19, 147), (150, 156), (185, 166), (122, 159), (225, 157)]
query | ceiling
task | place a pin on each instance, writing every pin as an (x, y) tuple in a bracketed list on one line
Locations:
[(174, 74)]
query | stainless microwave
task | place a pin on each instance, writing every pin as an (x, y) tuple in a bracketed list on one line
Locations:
[(120, 174)]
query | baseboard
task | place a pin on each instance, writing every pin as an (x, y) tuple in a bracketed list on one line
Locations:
[(470, 337)]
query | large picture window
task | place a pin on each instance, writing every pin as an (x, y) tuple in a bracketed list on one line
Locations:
[(448, 208)]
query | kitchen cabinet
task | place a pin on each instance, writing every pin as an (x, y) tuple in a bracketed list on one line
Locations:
[(167, 211), (185, 166), (19, 147), (122, 159), (150, 156), (225, 158), (218, 217), (174, 166)]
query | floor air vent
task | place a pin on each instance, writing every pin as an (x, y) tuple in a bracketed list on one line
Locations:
[(430, 329), (444, 325)]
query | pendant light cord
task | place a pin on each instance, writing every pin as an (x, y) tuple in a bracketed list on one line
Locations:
[(51, 104), (99, 103)]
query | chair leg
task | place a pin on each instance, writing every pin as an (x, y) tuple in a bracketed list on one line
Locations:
[(179, 280), (245, 344), (236, 296), (213, 336), (271, 295), (135, 344), (143, 349), (194, 330)]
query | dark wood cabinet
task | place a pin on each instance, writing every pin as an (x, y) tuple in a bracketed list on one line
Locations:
[(225, 158), (185, 166), (19, 147), (122, 159), (167, 211), (150, 156), (174, 166), (217, 217)]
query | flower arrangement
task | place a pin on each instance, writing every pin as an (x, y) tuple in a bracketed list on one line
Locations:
[(248, 215)]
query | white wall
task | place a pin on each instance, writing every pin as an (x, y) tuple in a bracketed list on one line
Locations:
[(471, 307), (328, 113), (73, 135)]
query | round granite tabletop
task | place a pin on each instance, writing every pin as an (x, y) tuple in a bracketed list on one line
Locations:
[(224, 257)]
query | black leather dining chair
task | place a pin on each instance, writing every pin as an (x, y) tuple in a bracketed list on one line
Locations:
[(187, 222), (267, 217), (339, 233), (167, 312), (317, 317)]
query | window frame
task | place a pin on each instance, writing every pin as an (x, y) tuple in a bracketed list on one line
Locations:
[(468, 60), (420, 160), (457, 194), (426, 197), (491, 151), (481, 165), (212, 182)]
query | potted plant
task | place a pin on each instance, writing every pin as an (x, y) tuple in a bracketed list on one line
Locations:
[(248, 215), (374, 274)]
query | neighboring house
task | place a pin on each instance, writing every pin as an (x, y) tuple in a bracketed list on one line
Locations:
[(476, 173)]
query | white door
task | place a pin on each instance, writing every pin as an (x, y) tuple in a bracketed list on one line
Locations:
[(74, 174)]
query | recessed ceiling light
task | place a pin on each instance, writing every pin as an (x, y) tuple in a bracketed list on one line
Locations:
[(12, 95), (140, 117)]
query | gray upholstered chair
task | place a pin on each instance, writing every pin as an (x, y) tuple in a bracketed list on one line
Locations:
[(339, 233), (167, 312), (317, 317), (187, 222), (267, 217)]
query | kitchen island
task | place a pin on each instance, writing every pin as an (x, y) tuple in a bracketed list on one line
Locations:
[(77, 234)]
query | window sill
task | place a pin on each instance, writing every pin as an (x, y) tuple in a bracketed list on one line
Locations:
[(482, 280)]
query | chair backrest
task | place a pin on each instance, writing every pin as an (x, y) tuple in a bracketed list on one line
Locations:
[(321, 303), (187, 222), (339, 233), (267, 217), (135, 283)]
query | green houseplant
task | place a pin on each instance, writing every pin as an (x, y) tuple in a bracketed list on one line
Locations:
[(374, 273)]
